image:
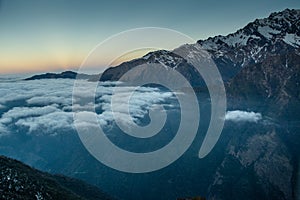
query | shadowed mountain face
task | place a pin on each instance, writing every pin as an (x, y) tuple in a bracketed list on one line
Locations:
[(274, 81), (262, 160), (19, 181)]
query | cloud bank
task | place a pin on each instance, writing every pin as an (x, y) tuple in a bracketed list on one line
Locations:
[(242, 116), (45, 106)]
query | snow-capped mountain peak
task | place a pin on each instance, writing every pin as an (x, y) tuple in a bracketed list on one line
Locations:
[(283, 26), (261, 39)]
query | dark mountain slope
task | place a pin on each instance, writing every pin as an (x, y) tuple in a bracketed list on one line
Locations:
[(19, 181), (261, 159), (274, 81)]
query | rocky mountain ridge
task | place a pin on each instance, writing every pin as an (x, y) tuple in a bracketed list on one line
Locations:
[(252, 44)]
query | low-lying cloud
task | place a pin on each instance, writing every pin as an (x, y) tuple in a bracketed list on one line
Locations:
[(242, 116), (45, 106), (50, 124)]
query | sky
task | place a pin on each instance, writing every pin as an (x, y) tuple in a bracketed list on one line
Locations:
[(42, 36)]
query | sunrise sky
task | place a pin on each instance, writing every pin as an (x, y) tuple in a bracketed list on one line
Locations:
[(40, 36)]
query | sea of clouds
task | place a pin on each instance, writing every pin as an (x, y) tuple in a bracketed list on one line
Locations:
[(47, 106)]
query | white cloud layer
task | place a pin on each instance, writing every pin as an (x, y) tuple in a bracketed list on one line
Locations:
[(45, 106), (242, 116)]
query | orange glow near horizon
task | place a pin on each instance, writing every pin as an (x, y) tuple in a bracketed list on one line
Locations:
[(37, 65), (59, 62)]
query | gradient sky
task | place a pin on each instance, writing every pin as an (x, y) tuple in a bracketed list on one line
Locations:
[(40, 35)]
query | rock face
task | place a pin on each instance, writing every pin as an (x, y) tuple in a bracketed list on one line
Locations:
[(275, 81), (19, 181), (259, 160), (256, 164)]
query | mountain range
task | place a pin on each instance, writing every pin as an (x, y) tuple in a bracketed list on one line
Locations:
[(259, 60), (275, 35), (260, 65)]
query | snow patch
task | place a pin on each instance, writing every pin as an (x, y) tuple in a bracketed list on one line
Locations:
[(292, 40), (237, 39), (267, 31)]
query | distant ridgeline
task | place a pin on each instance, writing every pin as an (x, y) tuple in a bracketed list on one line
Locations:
[(64, 75)]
